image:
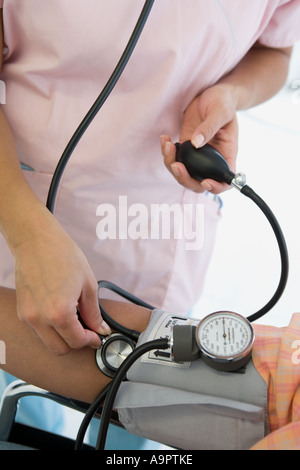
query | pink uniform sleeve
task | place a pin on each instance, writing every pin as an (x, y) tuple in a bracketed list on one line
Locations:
[(283, 29)]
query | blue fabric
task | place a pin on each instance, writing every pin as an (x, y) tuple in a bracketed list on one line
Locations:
[(36, 411), (49, 416)]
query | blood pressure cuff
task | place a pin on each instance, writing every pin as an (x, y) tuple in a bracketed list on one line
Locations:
[(190, 405)]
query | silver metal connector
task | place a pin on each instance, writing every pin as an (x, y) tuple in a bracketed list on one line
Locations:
[(239, 181)]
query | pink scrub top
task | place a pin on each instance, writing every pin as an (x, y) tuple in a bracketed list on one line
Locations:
[(57, 57)]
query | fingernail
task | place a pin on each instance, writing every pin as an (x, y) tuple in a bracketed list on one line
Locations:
[(198, 141), (175, 170), (104, 329), (206, 186)]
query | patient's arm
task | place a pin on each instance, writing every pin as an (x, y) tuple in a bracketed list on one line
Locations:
[(74, 375)]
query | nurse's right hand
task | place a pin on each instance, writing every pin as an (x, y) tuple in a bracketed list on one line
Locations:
[(53, 279), (210, 118)]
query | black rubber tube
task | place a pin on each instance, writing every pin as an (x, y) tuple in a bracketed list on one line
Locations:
[(97, 105), (248, 192)]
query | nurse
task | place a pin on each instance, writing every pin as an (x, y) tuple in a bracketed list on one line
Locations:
[(194, 67)]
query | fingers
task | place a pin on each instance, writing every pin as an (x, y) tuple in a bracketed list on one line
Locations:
[(210, 127), (181, 174), (69, 335), (89, 309), (177, 169), (61, 342), (60, 330), (57, 324)]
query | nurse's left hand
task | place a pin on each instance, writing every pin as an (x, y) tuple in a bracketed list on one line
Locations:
[(210, 118)]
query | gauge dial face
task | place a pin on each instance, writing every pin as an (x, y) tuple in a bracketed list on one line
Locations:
[(225, 335)]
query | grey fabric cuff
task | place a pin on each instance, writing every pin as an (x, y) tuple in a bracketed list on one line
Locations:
[(190, 405)]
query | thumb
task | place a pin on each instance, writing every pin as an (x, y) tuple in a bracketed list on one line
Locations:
[(207, 130), (90, 312)]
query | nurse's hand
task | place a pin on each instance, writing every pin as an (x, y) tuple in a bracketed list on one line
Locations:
[(53, 278), (210, 118)]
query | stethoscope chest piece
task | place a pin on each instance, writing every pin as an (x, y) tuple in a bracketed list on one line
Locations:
[(113, 351)]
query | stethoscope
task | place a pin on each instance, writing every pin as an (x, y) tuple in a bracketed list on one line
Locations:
[(188, 342)]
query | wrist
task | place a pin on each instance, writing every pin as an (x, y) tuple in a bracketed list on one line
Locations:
[(21, 218), (234, 93)]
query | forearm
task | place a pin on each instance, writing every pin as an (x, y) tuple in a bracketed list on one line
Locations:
[(259, 76), (74, 375), (18, 203), (47, 296)]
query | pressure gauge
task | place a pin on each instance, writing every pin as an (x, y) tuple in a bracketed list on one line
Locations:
[(113, 351), (225, 340)]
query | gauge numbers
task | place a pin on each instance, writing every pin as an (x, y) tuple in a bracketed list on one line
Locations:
[(225, 336)]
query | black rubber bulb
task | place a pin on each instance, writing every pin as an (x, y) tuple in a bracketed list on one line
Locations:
[(203, 163)]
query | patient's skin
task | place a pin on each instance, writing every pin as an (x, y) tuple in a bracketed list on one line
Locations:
[(74, 375)]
